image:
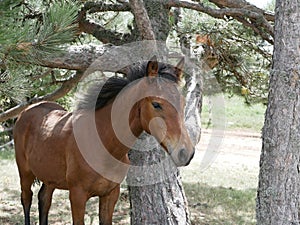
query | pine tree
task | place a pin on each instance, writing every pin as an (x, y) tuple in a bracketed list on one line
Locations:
[(26, 38), (278, 190)]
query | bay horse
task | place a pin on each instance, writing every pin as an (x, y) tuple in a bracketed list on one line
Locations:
[(46, 147)]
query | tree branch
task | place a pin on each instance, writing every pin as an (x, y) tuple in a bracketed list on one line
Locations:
[(104, 35), (87, 58), (60, 92), (244, 5), (257, 30), (246, 13), (76, 57), (98, 31), (258, 21), (93, 7), (46, 73), (142, 19), (91, 58)]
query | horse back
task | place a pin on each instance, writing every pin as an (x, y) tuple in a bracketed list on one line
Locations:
[(37, 117)]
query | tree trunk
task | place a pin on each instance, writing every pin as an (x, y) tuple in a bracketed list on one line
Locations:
[(278, 191), (156, 192), (155, 188)]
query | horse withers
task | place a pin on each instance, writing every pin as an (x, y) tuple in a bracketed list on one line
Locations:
[(48, 148)]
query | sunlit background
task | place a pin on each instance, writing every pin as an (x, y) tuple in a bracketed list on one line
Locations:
[(260, 3)]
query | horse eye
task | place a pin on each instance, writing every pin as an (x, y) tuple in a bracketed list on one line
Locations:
[(156, 105)]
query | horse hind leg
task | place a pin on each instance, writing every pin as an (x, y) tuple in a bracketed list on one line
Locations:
[(27, 180), (45, 198)]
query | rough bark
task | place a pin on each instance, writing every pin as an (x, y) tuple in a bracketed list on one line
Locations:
[(75, 57), (278, 191), (158, 13), (155, 188), (142, 20)]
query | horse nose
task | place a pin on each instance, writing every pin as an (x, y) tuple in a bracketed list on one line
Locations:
[(184, 157)]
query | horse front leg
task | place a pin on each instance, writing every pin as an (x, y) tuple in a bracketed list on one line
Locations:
[(107, 205), (45, 198), (78, 199)]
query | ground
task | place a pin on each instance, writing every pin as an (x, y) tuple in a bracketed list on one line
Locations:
[(232, 159), (225, 178)]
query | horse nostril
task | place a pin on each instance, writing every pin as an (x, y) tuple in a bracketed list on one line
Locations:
[(183, 156)]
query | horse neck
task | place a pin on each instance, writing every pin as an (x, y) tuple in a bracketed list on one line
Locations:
[(118, 124)]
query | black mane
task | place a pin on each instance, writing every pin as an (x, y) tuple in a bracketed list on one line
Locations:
[(110, 88)]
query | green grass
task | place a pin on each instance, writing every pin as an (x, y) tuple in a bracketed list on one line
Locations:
[(219, 205), (7, 154), (232, 113)]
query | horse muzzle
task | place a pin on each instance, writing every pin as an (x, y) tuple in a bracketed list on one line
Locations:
[(182, 157)]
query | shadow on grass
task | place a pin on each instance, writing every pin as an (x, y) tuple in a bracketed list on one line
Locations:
[(208, 205), (218, 205), (11, 211)]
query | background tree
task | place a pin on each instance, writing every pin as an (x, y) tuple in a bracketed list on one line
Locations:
[(112, 22), (278, 191), (46, 45)]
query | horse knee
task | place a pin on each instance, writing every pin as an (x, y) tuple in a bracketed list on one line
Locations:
[(26, 198)]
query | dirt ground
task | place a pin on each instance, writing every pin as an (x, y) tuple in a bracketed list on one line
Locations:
[(228, 159)]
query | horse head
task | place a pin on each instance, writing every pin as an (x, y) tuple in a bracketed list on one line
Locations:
[(162, 112)]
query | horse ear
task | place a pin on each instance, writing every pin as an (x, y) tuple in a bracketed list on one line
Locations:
[(179, 68), (152, 67)]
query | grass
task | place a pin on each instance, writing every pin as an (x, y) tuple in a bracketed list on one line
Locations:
[(219, 205), (7, 154), (208, 204), (232, 113)]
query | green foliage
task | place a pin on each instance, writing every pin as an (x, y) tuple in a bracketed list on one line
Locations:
[(7, 154), (42, 36), (56, 29), (244, 59), (235, 113), (28, 36)]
